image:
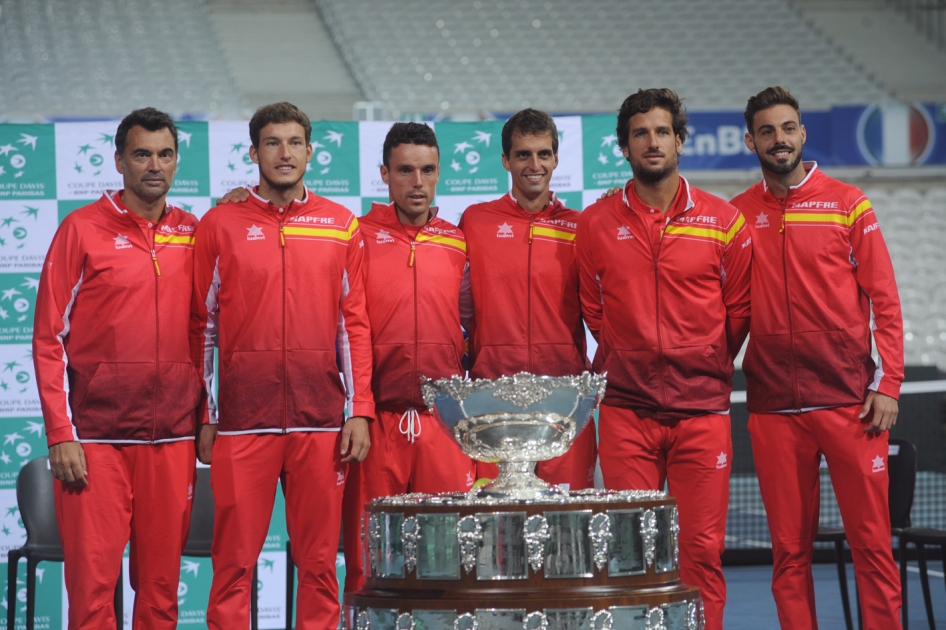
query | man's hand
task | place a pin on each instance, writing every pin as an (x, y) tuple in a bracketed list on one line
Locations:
[(885, 411), (355, 440), (608, 193), (67, 462), (206, 437), (237, 195)]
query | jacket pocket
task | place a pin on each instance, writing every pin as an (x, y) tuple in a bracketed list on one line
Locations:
[(177, 396), (828, 372), (632, 378), (695, 378), (768, 368), (116, 402), (558, 359), (250, 392), (496, 361), (316, 394)]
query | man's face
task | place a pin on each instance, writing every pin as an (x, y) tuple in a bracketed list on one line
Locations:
[(652, 148), (148, 164), (777, 139), (282, 154), (411, 176), (531, 161)]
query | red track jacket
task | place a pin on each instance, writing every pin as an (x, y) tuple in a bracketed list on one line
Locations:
[(281, 292), (819, 267), (110, 331), (524, 278), (413, 292), (660, 317)]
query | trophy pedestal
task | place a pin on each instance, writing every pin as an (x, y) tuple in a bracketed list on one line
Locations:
[(587, 560), (517, 480)]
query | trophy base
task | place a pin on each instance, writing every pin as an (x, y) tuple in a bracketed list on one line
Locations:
[(517, 480)]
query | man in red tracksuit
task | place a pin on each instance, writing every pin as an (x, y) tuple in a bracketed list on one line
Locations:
[(414, 266), (118, 388), (820, 268), (525, 314), (278, 287), (665, 291)]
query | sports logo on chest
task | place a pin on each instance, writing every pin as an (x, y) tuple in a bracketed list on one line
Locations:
[(505, 231), (384, 237), (762, 220), (624, 233), (122, 242), (254, 233)]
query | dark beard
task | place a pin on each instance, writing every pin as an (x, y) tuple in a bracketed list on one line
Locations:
[(650, 176), (779, 169), (280, 187)]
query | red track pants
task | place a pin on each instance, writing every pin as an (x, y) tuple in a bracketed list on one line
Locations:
[(432, 462), (576, 468), (787, 449), (693, 456), (137, 492), (243, 474)]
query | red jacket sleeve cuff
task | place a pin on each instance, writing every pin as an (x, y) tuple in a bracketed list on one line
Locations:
[(58, 436), (889, 387), (364, 409)]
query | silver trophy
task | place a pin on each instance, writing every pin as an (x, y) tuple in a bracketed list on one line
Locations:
[(515, 422)]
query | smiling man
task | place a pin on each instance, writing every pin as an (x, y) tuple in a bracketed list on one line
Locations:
[(665, 291), (278, 288), (820, 270), (415, 264), (525, 313), (118, 388)]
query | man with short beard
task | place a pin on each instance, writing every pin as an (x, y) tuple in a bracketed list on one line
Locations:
[(117, 385), (664, 278), (820, 268), (278, 286)]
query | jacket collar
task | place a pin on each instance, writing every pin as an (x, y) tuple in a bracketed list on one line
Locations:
[(114, 198), (259, 201), (554, 204), (810, 167), (387, 213), (686, 190)]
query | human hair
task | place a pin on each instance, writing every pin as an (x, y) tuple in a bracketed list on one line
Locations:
[(529, 122), (642, 102), (275, 114), (769, 97), (148, 118), (407, 133)]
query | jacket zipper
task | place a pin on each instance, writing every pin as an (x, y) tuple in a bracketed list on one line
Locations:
[(157, 332), (285, 352), (788, 304), (529, 299), (416, 327)]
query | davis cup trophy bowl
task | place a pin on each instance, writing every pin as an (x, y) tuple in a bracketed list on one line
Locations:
[(518, 554), (515, 422)]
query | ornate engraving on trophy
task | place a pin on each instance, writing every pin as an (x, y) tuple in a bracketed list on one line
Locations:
[(599, 532), (382, 618), (391, 552), (626, 550), (469, 537), (438, 551), (502, 554), (537, 534), (373, 548), (570, 618), (664, 542), (629, 617), (500, 619), (568, 552), (410, 534), (675, 534), (655, 619), (466, 621), (405, 622), (649, 535), (536, 621), (602, 621), (434, 619)]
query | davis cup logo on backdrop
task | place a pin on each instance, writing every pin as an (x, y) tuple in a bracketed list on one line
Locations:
[(12, 531), (26, 230), (605, 166), (193, 168), (568, 175), (17, 299), (333, 169), (470, 158), (20, 441), (27, 162), (230, 163), (895, 134), (18, 395), (85, 159)]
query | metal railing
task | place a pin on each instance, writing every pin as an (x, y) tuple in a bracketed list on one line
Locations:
[(927, 16)]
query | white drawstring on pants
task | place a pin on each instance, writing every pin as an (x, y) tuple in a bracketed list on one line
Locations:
[(412, 430)]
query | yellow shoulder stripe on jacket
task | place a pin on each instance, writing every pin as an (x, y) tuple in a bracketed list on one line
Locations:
[(443, 240), (698, 232), (318, 232), (352, 227), (737, 225), (181, 239), (539, 230), (833, 218)]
